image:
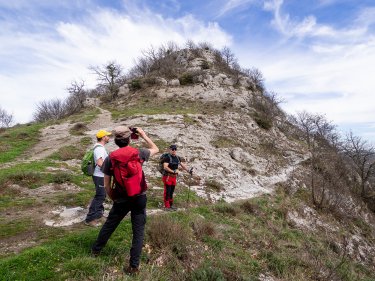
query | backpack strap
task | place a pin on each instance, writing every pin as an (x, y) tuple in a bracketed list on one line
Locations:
[(96, 146)]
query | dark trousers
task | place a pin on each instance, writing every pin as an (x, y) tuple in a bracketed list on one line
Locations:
[(96, 208), (137, 207)]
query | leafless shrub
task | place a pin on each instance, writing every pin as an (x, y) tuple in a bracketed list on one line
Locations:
[(78, 129), (166, 234), (249, 208), (256, 78), (49, 110), (316, 130), (24, 178), (75, 102), (69, 152), (205, 46), (328, 175), (142, 67), (6, 119), (194, 49), (220, 63), (228, 57), (361, 157), (266, 109), (212, 184), (226, 208), (158, 61), (203, 228), (108, 76)]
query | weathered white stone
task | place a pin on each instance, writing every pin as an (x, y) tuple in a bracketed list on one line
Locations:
[(174, 82), (89, 102), (161, 81), (123, 90)]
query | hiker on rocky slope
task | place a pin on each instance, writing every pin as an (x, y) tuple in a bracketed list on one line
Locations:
[(171, 163), (128, 192), (96, 208)]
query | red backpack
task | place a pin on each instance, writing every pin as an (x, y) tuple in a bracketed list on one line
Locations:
[(127, 171)]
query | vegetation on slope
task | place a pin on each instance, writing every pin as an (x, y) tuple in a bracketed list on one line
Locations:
[(205, 242)]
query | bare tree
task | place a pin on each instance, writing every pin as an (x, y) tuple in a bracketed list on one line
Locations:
[(75, 101), (108, 76), (321, 137), (362, 159), (49, 110), (190, 44), (256, 77), (142, 67), (6, 119), (228, 56)]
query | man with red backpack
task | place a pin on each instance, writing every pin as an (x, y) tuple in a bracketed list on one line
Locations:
[(171, 163), (128, 191)]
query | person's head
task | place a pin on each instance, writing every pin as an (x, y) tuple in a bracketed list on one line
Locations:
[(122, 136), (173, 149), (103, 136)]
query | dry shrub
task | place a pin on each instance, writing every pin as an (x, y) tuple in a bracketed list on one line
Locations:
[(226, 208), (167, 234), (25, 178), (207, 273), (23, 136), (214, 185), (203, 228), (61, 177), (78, 129), (69, 152), (4, 147), (248, 207)]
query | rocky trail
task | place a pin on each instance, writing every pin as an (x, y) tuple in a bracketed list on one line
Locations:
[(206, 159)]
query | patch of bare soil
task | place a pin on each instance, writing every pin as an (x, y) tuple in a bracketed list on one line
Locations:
[(55, 137), (43, 214), (15, 244)]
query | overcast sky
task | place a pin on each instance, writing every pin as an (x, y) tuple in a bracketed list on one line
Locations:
[(318, 55)]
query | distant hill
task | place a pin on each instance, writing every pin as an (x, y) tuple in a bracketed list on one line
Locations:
[(267, 201)]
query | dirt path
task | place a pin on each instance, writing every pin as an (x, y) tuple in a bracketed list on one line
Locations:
[(55, 137)]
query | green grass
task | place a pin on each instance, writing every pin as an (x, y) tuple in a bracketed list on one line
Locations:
[(85, 116), (246, 238), (150, 106), (224, 142), (14, 227), (16, 140)]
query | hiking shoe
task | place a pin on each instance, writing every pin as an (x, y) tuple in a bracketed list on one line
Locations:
[(132, 271), (93, 223), (168, 209), (95, 254), (173, 208)]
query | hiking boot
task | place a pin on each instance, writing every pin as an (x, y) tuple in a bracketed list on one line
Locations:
[(93, 223), (102, 219), (132, 271), (95, 254), (168, 209), (173, 208)]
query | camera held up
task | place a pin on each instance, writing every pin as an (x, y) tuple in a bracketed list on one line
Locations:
[(134, 135)]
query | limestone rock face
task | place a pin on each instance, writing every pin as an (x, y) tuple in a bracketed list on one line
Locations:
[(91, 102)]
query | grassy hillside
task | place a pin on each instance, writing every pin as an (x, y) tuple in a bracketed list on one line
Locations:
[(223, 241), (240, 144)]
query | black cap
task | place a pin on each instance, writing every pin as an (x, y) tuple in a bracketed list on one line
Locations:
[(173, 146)]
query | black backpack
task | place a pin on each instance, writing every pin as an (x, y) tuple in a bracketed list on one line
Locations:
[(162, 159)]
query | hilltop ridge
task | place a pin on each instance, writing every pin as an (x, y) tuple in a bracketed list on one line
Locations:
[(251, 188)]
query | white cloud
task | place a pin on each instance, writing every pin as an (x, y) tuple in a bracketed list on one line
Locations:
[(51, 59), (233, 4), (308, 26)]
